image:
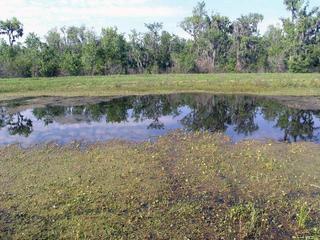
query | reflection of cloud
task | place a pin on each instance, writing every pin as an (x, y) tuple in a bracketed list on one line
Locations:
[(130, 130), (89, 132)]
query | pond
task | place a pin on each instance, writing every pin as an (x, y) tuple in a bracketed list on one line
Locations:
[(138, 118)]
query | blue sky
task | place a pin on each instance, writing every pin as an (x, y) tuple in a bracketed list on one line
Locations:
[(41, 15)]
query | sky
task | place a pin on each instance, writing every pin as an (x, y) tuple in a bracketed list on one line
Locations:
[(39, 16)]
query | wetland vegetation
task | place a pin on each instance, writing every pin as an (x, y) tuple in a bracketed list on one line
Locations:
[(182, 186), (192, 183)]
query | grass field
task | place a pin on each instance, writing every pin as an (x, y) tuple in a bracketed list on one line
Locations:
[(262, 84), (184, 186)]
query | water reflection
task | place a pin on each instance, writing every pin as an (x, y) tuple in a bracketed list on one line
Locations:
[(143, 117)]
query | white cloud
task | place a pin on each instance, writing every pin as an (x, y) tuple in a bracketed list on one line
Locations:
[(263, 27), (41, 15)]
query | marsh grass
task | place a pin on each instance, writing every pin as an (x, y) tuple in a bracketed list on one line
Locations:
[(183, 186), (303, 214)]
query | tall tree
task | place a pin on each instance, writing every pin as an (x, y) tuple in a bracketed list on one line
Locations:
[(114, 47), (54, 40), (91, 54), (73, 37), (152, 40), (217, 39), (49, 62), (276, 44), (245, 32), (302, 37), (164, 59), (197, 23), (137, 53), (211, 37), (13, 28), (294, 7), (33, 53)]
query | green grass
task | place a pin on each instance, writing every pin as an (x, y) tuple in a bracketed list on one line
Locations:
[(183, 186), (262, 84)]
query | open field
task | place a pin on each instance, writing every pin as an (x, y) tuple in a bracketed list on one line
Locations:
[(261, 84), (183, 186)]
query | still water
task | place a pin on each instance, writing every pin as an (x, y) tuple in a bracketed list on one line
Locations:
[(139, 118)]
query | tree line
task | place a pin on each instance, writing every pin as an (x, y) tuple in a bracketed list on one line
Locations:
[(216, 44)]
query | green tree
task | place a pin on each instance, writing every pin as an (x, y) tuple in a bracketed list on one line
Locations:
[(196, 26), (275, 38), (197, 23), (73, 39), (13, 28), (246, 38), (164, 58), (211, 36), (302, 36), (49, 62), (22, 64), (217, 40), (54, 40), (6, 56), (294, 7), (137, 56), (91, 59), (152, 43), (115, 51), (33, 53), (71, 63), (185, 59)]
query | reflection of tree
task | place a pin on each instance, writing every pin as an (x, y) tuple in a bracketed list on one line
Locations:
[(116, 111), (152, 108), (243, 114), (204, 112), (296, 124), (20, 125), (48, 113), (215, 113), (3, 116), (156, 124), (17, 124), (207, 115)]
